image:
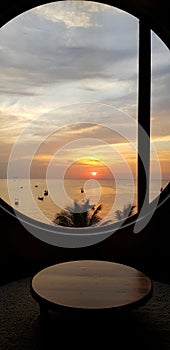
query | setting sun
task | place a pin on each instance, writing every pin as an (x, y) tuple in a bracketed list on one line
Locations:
[(87, 168)]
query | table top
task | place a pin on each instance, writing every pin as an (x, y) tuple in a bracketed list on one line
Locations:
[(91, 284)]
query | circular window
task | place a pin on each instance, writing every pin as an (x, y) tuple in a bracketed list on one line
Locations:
[(69, 120)]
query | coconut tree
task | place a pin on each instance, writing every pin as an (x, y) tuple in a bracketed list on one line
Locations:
[(82, 214), (127, 211)]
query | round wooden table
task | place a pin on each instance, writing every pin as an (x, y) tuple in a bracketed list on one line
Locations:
[(90, 285)]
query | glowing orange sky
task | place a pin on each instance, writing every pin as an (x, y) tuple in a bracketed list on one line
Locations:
[(84, 169)]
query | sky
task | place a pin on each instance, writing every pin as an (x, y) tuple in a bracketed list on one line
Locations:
[(68, 93)]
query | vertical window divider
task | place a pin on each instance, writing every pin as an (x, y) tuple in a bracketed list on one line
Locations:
[(144, 96)]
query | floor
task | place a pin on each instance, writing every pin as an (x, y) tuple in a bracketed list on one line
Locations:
[(21, 327)]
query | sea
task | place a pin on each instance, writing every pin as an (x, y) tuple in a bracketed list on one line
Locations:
[(28, 196)]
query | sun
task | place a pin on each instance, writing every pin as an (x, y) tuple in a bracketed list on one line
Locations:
[(94, 173)]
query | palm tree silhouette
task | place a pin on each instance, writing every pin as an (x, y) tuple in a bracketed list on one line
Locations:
[(82, 214), (127, 211)]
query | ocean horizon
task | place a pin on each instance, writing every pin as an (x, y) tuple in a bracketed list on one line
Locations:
[(28, 195)]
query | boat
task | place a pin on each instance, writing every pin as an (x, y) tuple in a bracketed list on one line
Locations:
[(40, 198), (16, 201), (46, 193), (82, 190)]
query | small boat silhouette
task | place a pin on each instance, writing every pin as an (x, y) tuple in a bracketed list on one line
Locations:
[(16, 201), (46, 193), (82, 190)]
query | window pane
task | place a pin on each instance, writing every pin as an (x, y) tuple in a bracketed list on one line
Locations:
[(160, 111), (68, 108)]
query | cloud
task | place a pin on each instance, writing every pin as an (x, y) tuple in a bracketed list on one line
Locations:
[(60, 60), (160, 124), (73, 13), (79, 129), (48, 53)]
